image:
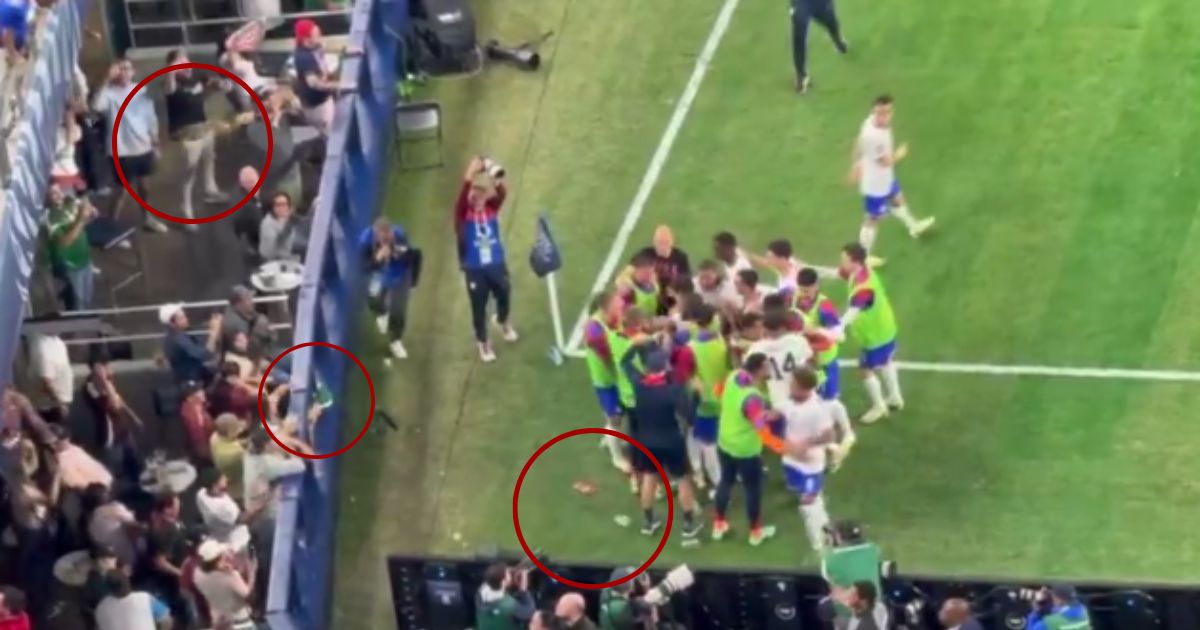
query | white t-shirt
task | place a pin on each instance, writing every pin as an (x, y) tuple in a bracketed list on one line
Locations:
[(875, 142), (741, 262), (52, 363), (219, 513), (806, 421), (259, 472), (784, 354), (107, 528), (132, 612), (724, 295)]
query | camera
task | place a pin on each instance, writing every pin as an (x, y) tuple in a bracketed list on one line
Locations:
[(678, 579), (494, 169)]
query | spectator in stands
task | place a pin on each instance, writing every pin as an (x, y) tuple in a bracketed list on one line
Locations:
[(279, 234), (67, 246), (241, 316), (227, 590), (12, 610), (114, 422), (503, 601), (76, 468), (866, 611), (288, 150), (1064, 610), (14, 28), (21, 418), (247, 220), (187, 581), (316, 84), (55, 378), (571, 613), (166, 550), (65, 171), (222, 516), (189, 359), (188, 123), (137, 137), (127, 609), (227, 451), (197, 423), (231, 394), (32, 511), (111, 525), (390, 267), (956, 615), (249, 370)]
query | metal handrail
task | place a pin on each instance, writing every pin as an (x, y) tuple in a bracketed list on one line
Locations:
[(149, 308), (152, 336), (231, 20)]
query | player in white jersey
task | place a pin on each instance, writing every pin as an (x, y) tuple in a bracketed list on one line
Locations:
[(781, 258), (786, 352), (809, 431), (873, 167)]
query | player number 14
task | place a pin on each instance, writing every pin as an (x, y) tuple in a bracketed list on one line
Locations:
[(789, 366)]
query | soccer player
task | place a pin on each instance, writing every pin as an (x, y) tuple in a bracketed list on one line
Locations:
[(809, 431), (785, 352), (820, 316), (726, 250), (744, 421), (480, 252), (746, 283), (872, 323), (781, 258), (707, 355), (874, 169), (639, 284), (603, 324), (634, 324), (716, 289)]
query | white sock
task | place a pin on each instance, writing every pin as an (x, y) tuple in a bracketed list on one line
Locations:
[(615, 446), (816, 519), (866, 236), (874, 390), (693, 451), (891, 382), (905, 216), (712, 465)]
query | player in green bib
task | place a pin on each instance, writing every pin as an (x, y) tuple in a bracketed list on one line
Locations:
[(744, 418), (600, 328), (704, 356), (639, 285), (872, 324)]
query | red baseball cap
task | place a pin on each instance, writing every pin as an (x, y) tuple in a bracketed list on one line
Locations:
[(305, 28)]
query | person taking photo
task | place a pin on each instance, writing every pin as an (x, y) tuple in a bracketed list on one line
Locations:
[(480, 251), (503, 601)]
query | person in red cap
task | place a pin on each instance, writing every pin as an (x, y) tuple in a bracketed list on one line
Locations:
[(315, 81)]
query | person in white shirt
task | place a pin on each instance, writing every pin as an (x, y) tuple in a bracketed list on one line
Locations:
[(52, 366), (725, 248), (126, 609), (809, 430), (873, 167), (226, 589), (746, 282), (781, 258), (222, 516), (715, 287), (111, 524), (137, 136), (786, 352)]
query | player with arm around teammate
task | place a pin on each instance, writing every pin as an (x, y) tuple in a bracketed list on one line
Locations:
[(809, 431), (821, 322)]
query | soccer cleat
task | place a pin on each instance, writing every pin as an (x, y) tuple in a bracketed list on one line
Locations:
[(649, 528), (622, 464), (485, 352), (381, 324), (873, 415), (895, 404), (719, 529), (760, 534), (921, 226), (397, 348), (842, 46), (691, 531), (803, 84), (506, 330)]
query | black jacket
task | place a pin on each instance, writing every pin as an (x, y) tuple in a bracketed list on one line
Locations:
[(659, 404)]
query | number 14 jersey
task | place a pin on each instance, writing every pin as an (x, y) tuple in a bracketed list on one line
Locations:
[(784, 355)]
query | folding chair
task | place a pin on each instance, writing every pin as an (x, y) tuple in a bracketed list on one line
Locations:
[(418, 123)]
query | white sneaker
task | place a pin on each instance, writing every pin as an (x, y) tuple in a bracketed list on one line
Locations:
[(506, 330), (622, 464), (485, 353), (398, 350), (921, 226), (875, 414), (381, 324), (895, 404)]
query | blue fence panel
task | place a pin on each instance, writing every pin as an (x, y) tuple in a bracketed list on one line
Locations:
[(328, 306), (31, 153)]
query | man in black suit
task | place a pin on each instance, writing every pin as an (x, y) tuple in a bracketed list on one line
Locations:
[(956, 615), (803, 12)]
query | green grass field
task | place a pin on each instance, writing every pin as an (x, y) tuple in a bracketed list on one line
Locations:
[(1051, 138)]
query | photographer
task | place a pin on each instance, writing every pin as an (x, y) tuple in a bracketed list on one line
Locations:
[(636, 603), (503, 601), (480, 251), (391, 266), (1058, 608), (866, 611), (849, 559)]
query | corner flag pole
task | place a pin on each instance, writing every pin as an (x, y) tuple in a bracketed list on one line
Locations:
[(555, 313), (545, 259)]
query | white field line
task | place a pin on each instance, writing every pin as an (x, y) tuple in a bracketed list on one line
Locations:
[(650, 179), (1116, 374)]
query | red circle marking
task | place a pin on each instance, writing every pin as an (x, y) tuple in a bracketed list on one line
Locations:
[(370, 387), (262, 176), (666, 527)]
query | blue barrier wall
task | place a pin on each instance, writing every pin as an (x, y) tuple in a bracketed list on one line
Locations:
[(32, 152), (330, 298)]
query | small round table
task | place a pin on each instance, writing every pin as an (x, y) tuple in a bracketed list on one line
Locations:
[(277, 276), (72, 569), (174, 476)]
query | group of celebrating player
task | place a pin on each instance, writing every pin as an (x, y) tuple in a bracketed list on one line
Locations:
[(761, 363)]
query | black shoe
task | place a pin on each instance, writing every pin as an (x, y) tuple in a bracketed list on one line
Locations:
[(842, 46), (649, 528), (803, 84), (692, 530)]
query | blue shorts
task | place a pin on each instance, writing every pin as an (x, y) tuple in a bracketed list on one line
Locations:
[(610, 401), (832, 387), (14, 17), (877, 357), (877, 207), (802, 483), (704, 430)]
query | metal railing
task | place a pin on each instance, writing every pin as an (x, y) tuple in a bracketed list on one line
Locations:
[(183, 28)]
